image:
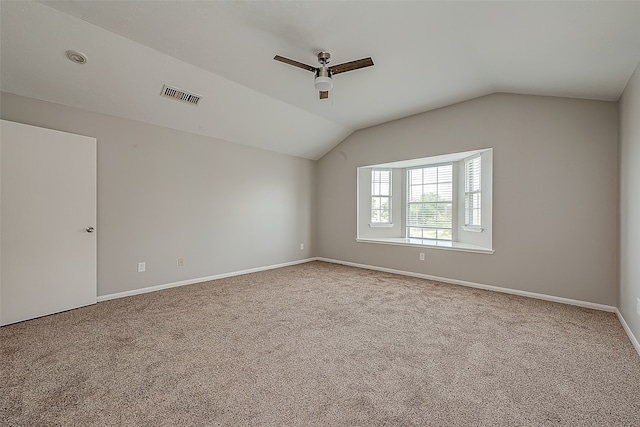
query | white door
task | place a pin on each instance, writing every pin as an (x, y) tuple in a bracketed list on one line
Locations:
[(47, 206)]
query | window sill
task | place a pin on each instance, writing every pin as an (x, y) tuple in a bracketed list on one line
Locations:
[(435, 244), (380, 225)]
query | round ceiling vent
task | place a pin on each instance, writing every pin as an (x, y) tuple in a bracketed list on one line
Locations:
[(77, 57)]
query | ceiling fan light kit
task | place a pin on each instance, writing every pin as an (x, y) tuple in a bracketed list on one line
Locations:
[(323, 81)]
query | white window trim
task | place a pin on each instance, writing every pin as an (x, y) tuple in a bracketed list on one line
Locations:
[(453, 198), (472, 227), (388, 223), (464, 239)]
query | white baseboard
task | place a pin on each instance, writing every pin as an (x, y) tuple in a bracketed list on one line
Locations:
[(198, 280), (545, 297), (627, 329)]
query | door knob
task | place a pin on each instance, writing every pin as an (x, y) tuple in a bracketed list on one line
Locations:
[(90, 229)]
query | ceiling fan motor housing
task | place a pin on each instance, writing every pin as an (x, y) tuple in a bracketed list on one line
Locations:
[(323, 80), (324, 58)]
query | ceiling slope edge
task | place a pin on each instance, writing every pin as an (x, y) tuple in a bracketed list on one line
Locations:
[(123, 78)]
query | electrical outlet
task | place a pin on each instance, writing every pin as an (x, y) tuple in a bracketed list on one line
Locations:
[(180, 262), (142, 267), (302, 246), (421, 256), (638, 307)]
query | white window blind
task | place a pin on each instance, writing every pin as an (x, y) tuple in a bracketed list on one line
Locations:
[(430, 202), (472, 192), (380, 196)]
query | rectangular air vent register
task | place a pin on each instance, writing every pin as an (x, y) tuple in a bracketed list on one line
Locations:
[(181, 95)]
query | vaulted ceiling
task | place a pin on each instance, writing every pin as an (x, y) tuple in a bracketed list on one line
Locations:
[(426, 54)]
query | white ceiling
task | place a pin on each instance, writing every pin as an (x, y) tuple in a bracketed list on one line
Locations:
[(427, 55)]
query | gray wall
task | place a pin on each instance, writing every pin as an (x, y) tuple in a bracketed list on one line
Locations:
[(164, 194), (630, 203), (555, 201), (226, 207)]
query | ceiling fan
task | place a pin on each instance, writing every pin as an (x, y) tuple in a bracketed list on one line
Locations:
[(323, 81)]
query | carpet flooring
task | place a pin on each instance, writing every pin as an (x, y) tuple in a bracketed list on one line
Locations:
[(319, 344)]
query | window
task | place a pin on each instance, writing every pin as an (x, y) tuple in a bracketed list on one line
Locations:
[(430, 202), (380, 196), (442, 201), (472, 192)]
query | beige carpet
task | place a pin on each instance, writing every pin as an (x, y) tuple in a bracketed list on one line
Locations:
[(320, 345)]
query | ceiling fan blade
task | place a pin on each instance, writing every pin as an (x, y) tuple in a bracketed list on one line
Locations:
[(295, 63), (350, 66), (324, 94)]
